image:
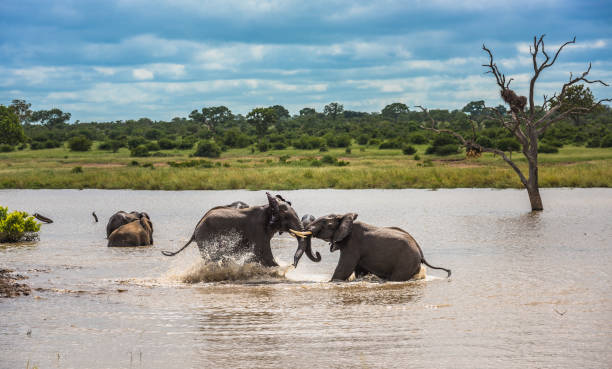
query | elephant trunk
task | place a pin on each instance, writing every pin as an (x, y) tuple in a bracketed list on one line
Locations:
[(304, 246)]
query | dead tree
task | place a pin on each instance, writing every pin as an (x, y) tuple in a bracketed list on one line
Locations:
[(527, 125)]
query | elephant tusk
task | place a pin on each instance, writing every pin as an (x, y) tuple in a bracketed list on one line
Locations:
[(300, 234)]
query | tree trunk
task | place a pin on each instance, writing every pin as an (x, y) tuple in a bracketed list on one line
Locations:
[(534, 198), (533, 186)]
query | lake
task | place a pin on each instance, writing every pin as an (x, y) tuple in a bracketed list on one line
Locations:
[(527, 289)]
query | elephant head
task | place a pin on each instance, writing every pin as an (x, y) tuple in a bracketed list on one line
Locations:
[(333, 228), (284, 219), (147, 226)]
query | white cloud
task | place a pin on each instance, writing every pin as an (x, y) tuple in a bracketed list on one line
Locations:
[(142, 74)]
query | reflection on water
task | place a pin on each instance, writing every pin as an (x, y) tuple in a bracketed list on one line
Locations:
[(528, 289)]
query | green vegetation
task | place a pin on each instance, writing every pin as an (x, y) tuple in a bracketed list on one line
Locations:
[(16, 226), (270, 149)]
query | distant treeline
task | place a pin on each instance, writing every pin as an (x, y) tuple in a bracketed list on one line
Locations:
[(212, 130)]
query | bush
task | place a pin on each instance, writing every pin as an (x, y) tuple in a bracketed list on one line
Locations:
[(606, 141), (187, 143), (166, 144), (207, 149), (417, 157), (508, 144), (134, 142), (363, 139), (408, 150), (328, 159), (390, 144), (348, 150), (6, 148), (374, 142), (323, 148), (279, 145), (306, 142), (263, 146), (79, 143), (153, 146), (417, 139), (139, 151), (78, 169), (442, 150), (104, 145), (594, 142), (484, 141), (547, 149), (153, 134), (443, 145), (16, 226)]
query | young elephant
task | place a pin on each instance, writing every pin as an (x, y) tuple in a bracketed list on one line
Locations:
[(121, 217), (389, 252), (136, 233)]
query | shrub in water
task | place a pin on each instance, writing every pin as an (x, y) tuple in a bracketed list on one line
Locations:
[(79, 143), (16, 226), (208, 149)]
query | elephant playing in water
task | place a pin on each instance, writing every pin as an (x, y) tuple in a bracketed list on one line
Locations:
[(136, 233), (387, 252), (226, 231), (121, 217)]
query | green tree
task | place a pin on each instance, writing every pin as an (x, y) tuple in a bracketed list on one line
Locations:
[(281, 112), (54, 118), (332, 110), (261, 119), (475, 109), (11, 132), (212, 116), (79, 143), (22, 109), (307, 111), (577, 100), (208, 149), (394, 111)]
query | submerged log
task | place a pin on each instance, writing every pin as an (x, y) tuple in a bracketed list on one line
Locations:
[(42, 218)]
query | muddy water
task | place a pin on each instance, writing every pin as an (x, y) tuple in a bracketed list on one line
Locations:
[(528, 290)]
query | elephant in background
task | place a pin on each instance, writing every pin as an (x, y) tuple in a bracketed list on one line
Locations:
[(136, 233), (224, 231), (121, 217), (387, 252)]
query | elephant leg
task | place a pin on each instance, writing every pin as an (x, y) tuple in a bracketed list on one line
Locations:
[(346, 266), (360, 272)]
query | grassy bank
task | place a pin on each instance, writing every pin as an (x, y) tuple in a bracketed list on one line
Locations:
[(294, 169)]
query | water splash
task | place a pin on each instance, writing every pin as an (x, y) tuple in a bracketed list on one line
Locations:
[(228, 270)]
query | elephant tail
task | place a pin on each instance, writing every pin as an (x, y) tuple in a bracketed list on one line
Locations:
[(170, 253), (433, 267)]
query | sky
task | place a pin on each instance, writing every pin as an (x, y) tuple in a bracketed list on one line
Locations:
[(127, 59)]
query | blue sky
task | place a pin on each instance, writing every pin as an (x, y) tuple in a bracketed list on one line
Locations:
[(127, 59)]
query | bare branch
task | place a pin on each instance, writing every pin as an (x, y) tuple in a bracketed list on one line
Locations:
[(537, 69), (499, 77), (547, 120), (471, 143)]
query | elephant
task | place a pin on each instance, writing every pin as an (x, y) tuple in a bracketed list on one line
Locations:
[(121, 217), (387, 252), (238, 205), (136, 233), (224, 231)]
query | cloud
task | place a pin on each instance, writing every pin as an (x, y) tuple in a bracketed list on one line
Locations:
[(142, 74)]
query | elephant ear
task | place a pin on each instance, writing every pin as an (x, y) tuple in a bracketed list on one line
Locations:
[(346, 225), (274, 207)]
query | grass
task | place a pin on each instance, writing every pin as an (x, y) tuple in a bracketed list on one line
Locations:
[(294, 169)]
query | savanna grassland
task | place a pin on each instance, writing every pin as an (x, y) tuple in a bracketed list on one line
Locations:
[(363, 167)]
